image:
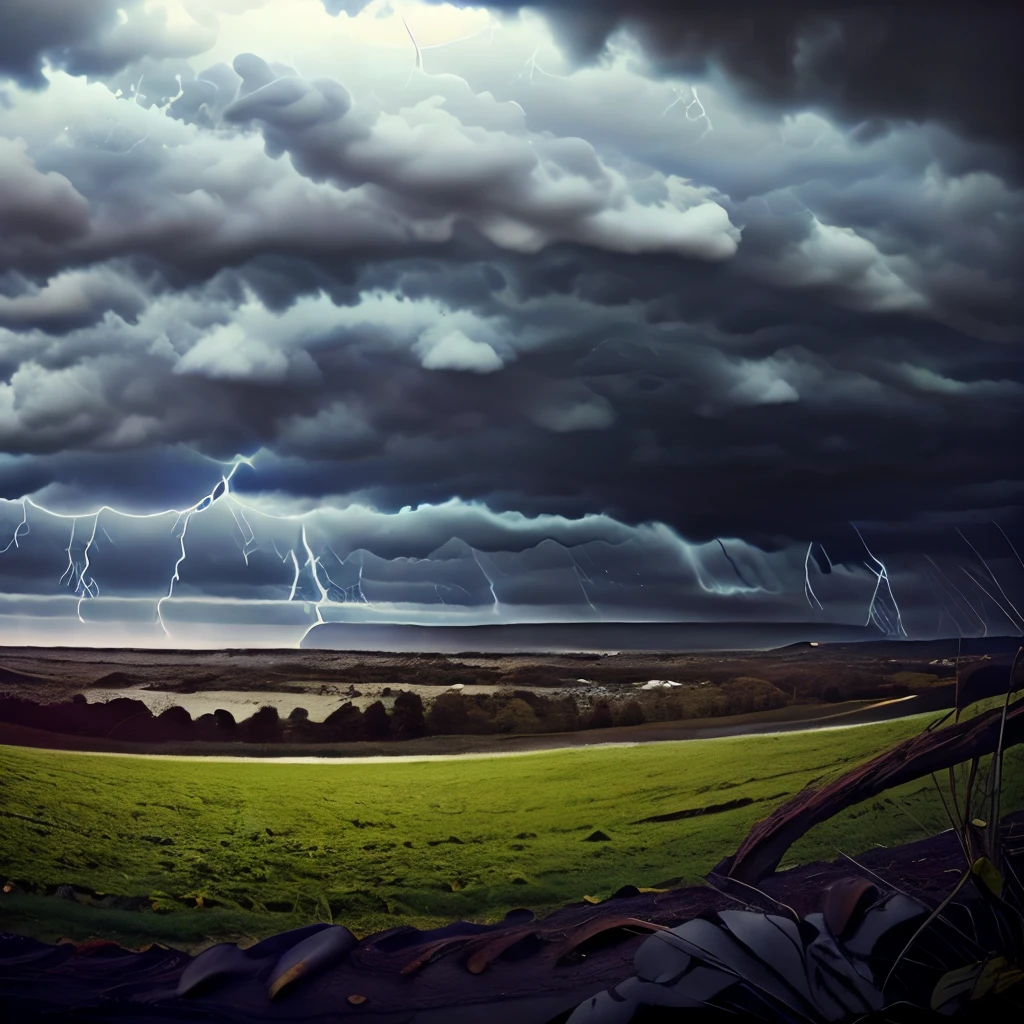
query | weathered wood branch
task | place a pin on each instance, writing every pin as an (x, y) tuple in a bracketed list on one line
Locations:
[(766, 844)]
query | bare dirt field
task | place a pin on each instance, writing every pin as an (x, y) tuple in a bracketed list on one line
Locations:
[(52, 673)]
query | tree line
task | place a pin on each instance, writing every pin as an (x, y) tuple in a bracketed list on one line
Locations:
[(449, 714)]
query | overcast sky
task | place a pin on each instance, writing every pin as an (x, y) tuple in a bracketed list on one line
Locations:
[(588, 310)]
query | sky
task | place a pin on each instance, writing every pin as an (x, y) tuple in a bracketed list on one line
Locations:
[(333, 310)]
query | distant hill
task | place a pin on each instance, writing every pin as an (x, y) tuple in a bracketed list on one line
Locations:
[(571, 637)]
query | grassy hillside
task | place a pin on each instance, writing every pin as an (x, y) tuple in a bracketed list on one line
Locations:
[(248, 849)]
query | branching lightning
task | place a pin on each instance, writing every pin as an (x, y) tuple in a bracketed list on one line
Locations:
[(891, 623), (78, 576), (688, 106), (309, 570), (531, 65), (313, 563)]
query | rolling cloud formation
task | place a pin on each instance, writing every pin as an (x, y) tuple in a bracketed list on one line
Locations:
[(578, 310)]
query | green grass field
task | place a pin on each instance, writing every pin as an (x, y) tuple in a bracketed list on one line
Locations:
[(253, 848)]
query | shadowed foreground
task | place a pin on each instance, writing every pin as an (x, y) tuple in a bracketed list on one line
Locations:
[(520, 971)]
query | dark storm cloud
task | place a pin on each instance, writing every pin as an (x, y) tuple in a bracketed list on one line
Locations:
[(552, 295), (90, 38), (861, 63)]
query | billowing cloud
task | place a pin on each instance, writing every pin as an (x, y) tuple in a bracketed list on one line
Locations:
[(690, 277), (443, 349)]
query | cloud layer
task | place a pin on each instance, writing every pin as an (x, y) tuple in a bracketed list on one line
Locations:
[(723, 276)]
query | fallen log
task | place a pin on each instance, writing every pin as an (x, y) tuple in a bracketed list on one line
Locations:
[(922, 755)]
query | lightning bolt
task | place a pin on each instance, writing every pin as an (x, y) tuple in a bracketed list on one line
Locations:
[(809, 593), (354, 592), (418, 65), (581, 578), (184, 517), (13, 542), (78, 573), (295, 581), (878, 615), (490, 582), (688, 105), (532, 65), (313, 564)]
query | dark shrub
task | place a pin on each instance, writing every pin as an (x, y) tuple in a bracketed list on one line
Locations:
[(600, 716), (448, 715), (263, 727), (407, 722), (226, 724), (516, 716), (173, 725), (376, 724), (345, 725), (123, 719), (629, 713)]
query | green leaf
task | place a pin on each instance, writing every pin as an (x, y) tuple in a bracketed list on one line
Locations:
[(954, 984), (987, 872), (996, 976)]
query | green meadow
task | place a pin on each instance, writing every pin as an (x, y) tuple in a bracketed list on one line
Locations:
[(238, 850)]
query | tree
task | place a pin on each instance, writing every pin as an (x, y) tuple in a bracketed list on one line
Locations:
[(407, 721), (376, 724)]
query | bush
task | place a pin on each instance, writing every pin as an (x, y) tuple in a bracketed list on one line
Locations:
[(600, 716), (376, 724), (407, 721), (345, 725), (516, 716), (174, 724), (262, 727), (448, 715), (298, 727), (226, 723), (630, 713)]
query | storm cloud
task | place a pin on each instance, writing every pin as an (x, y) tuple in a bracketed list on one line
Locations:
[(586, 289)]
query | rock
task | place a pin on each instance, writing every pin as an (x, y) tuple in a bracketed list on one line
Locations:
[(598, 837)]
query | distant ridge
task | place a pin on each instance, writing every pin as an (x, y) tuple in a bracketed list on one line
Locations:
[(577, 637)]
